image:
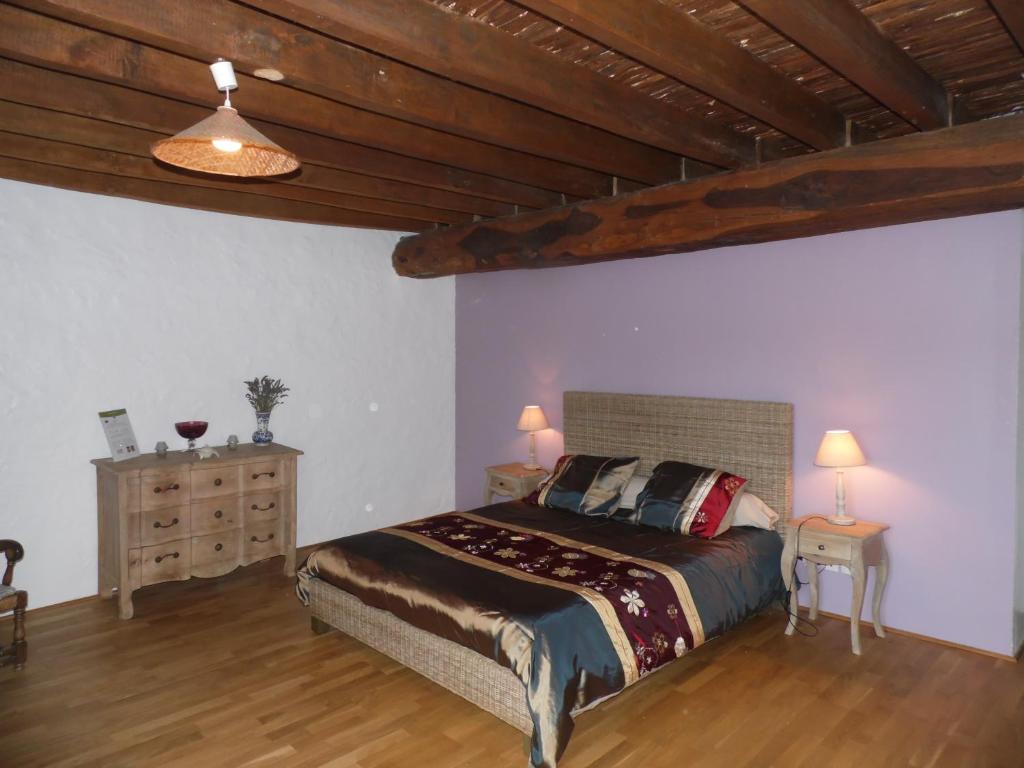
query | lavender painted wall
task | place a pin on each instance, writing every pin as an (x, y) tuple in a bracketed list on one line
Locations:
[(907, 335)]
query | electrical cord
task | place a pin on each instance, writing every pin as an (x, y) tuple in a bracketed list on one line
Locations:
[(796, 619)]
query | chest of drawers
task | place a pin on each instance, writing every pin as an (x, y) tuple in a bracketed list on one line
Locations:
[(175, 518)]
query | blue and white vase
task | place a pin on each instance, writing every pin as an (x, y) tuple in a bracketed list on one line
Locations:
[(262, 435)]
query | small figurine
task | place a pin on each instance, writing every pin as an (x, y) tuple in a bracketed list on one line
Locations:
[(232, 442), (206, 452), (161, 449)]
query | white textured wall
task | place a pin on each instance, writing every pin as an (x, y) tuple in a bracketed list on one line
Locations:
[(108, 303)]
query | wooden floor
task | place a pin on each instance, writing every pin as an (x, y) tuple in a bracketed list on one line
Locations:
[(227, 673)]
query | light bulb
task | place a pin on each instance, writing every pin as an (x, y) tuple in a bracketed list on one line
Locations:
[(227, 145)]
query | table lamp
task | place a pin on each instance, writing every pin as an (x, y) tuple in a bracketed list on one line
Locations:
[(530, 420), (839, 449)]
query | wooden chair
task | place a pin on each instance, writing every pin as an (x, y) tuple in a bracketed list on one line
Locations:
[(16, 600)]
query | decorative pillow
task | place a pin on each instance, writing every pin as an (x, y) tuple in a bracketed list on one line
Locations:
[(628, 501), (752, 512), (685, 498), (586, 485)]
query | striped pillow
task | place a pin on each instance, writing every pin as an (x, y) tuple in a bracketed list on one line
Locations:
[(684, 498), (586, 485)]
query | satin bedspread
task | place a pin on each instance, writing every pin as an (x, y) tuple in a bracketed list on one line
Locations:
[(552, 638)]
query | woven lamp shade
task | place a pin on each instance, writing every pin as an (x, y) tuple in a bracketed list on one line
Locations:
[(193, 148)]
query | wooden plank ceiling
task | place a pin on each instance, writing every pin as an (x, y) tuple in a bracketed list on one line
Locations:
[(442, 116)]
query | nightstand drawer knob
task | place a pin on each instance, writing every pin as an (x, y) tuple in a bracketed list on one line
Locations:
[(821, 547)]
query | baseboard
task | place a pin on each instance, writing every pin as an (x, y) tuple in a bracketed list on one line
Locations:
[(1018, 633), (929, 639), (65, 604), (301, 553)]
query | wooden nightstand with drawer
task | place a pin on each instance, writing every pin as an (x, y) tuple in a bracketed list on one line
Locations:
[(856, 546), (512, 480), (173, 518)]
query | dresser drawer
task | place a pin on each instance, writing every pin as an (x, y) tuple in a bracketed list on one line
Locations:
[(257, 507), (824, 546), (215, 515), (264, 476), (261, 540), (216, 553), (166, 524), (503, 486), (216, 481), (167, 562), (163, 490)]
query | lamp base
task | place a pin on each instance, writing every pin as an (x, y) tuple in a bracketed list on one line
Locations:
[(841, 520), (531, 465)]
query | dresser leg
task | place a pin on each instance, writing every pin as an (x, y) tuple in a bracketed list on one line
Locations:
[(881, 577), (857, 571), (125, 608)]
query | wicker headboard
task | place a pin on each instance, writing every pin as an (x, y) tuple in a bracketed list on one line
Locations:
[(750, 438)]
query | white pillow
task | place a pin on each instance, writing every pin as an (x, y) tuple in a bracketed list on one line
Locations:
[(633, 488), (754, 513)]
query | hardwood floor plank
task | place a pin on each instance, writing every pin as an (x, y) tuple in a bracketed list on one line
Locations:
[(226, 672)]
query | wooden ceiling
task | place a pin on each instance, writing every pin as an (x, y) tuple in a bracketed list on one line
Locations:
[(460, 117)]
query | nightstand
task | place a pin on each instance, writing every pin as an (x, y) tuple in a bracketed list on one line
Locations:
[(512, 480), (855, 546)]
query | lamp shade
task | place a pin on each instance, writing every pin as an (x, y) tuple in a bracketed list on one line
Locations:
[(531, 419), (839, 449), (225, 144)]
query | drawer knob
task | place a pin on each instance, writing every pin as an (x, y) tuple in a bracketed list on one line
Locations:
[(171, 524), (821, 547), (160, 558), (264, 509), (218, 514), (256, 475), (218, 481), (262, 541), (174, 487), (219, 547)]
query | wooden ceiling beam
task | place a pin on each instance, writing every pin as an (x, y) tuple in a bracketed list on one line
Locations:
[(847, 41), (36, 39), (345, 74), (198, 198), (59, 92), (463, 49), (30, 133), (1011, 13), (674, 43), (968, 169)]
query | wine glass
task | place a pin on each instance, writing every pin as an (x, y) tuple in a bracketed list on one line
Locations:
[(191, 430)]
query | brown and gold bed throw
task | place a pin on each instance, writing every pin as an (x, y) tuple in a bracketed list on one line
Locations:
[(577, 607)]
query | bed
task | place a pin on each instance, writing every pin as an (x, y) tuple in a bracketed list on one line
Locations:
[(489, 627)]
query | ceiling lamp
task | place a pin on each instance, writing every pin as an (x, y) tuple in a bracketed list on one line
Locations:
[(224, 143)]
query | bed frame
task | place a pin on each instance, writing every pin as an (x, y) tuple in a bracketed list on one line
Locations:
[(750, 438)]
